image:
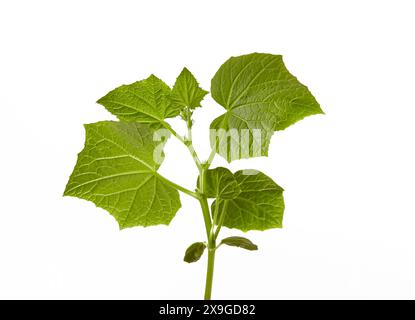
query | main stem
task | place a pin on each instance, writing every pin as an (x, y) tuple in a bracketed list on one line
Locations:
[(209, 231), (200, 195), (209, 273)]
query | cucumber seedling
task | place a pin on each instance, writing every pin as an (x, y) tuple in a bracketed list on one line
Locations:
[(118, 167)]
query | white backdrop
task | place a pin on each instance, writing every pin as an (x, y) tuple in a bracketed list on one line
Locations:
[(348, 175)]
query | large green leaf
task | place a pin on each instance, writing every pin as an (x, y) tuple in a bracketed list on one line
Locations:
[(146, 101), (259, 206), (186, 91), (221, 183), (260, 96), (117, 170)]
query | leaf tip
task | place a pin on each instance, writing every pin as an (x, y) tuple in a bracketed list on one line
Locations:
[(65, 192), (153, 77), (101, 100), (185, 70)]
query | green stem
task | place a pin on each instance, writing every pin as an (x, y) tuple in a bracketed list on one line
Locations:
[(212, 155), (172, 131), (200, 195), (209, 273), (190, 147), (203, 202), (222, 217), (206, 215), (209, 232), (216, 212), (188, 143), (179, 187)]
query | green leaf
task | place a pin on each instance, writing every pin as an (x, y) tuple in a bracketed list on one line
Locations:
[(186, 91), (194, 252), (240, 242), (259, 206), (117, 170), (221, 183), (260, 96), (145, 101)]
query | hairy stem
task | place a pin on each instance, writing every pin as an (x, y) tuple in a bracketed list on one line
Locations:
[(200, 195), (209, 273), (209, 231), (187, 142), (206, 215), (222, 217), (203, 202), (215, 213), (179, 187), (190, 147), (211, 156)]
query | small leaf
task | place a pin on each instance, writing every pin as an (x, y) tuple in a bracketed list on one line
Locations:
[(259, 206), (145, 101), (186, 91), (240, 242), (221, 183), (117, 171), (194, 252), (260, 96)]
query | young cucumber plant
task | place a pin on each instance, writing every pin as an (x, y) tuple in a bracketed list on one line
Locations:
[(117, 169)]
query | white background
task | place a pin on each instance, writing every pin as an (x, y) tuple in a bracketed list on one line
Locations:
[(349, 227)]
